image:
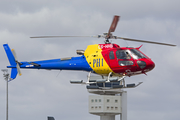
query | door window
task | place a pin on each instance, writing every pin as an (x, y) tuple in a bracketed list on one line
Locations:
[(111, 55), (122, 54)]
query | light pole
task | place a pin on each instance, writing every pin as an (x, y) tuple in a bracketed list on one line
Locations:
[(6, 78)]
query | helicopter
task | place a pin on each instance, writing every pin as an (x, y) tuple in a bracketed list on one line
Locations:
[(106, 59)]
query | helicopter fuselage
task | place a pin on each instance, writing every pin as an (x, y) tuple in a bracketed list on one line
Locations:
[(101, 59), (106, 58)]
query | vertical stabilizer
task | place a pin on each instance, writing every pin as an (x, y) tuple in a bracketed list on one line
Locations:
[(12, 61), (9, 54)]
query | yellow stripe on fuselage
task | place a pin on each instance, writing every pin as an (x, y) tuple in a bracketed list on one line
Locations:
[(96, 61)]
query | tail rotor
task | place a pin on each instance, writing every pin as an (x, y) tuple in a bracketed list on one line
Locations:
[(17, 63)]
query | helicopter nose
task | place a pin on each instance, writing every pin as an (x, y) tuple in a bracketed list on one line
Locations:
[(150, 64), (146, 64)]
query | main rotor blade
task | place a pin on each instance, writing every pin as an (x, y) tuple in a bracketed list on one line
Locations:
[(135, 40), (113, 25), (58, 36)]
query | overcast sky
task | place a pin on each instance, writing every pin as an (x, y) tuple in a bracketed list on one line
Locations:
[(41, 93)]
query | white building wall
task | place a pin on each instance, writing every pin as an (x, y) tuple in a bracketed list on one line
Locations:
[(99, 104)]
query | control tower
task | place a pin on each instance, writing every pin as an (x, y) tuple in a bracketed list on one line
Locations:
[(109, 98)]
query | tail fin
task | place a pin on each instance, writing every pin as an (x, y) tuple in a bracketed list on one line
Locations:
[(14, 73), (9, 54), (12, 61)]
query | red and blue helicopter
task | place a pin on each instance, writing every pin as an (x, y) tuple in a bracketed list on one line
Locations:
[(103, 59)]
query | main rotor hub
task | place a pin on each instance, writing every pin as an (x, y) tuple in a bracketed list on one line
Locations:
[(106, 41)]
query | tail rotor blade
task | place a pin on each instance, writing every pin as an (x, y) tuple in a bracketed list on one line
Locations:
[(14, 53), (18, 69), (17, 63)]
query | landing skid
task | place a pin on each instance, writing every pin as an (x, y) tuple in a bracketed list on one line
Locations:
[(105, 82)]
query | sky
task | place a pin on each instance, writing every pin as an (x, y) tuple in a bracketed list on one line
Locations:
[(41, 93)]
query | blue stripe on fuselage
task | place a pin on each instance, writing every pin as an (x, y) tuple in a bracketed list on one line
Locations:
[(75, 63)]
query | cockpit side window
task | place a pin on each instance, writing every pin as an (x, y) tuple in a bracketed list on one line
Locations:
[(122, 54), (111, 55)]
